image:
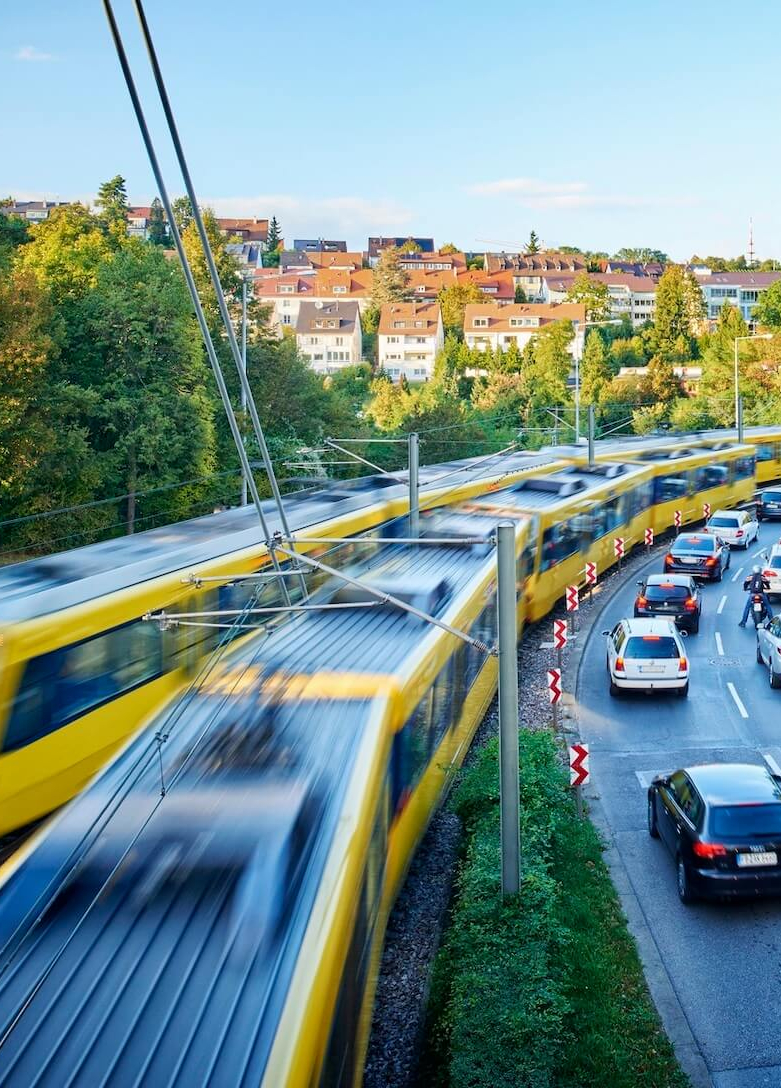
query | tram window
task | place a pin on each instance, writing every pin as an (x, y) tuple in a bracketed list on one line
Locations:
[(64, 684), (767, 452), (613, 513), (667, 488), (558, 543), (707, 476), (484, 629), (641, 498), (419, 726), (743, 468), (444, 705), (339, 1065)]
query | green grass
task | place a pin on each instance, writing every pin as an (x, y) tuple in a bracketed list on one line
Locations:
[(544, 990)]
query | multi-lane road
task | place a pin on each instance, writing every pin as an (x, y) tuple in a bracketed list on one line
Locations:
[(723, 960)]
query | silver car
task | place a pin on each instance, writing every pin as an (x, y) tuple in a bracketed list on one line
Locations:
[(769, 649)]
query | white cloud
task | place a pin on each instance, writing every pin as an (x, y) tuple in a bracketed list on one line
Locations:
[(565, 195), (30, 53), (350, 216)]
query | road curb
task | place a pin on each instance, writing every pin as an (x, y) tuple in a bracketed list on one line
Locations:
[(674, 1021)]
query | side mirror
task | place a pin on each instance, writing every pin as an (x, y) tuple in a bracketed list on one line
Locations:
[(638, 583), (766, 624), (605, 632)]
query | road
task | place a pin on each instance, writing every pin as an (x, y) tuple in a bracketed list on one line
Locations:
[(723, 960)]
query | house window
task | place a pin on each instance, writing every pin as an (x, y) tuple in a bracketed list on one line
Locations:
[(285, 303), (393, 339), (286, 319), (419, 325), (398, 324), (480, 322), (420, 339), (285, 289), (338, 340), (340, 290)]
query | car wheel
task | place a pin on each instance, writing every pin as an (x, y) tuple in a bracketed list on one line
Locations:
[(683, 692), (653, 830), (774, 677), (685, 892), (760, 658), (720, 575), (615, 691)]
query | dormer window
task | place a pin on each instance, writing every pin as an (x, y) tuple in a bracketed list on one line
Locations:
[(340, 290), (480, 322), (286, 289)]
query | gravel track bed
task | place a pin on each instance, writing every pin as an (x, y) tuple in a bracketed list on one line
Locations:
[(416, 922)]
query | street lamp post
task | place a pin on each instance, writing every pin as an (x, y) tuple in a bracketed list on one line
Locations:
[(753, 336)]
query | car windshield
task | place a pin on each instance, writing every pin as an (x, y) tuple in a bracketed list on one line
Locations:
[(775, 562), (745, 821), (666, 591), (724, 523), (693, 544), (645, 646), (771, 496)]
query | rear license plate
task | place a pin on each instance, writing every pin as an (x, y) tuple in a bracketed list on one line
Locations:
[(651, 668), (768, 857), (686, 559)]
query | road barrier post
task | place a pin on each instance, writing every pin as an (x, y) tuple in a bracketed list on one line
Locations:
[(559, 640), (554, 693), (706, 510), (648, 537), (578, 772), (591, 578), (573, 603), (618, 548), (509, 776), (677, 521)]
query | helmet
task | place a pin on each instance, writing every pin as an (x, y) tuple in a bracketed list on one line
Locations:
[(756, 568)]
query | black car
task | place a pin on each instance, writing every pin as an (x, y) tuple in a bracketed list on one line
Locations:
[(722, 824), (703, 555), (769, 504), (672, 596)]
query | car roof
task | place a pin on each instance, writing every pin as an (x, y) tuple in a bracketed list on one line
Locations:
[(683, 537), (669, 579), (776, 549), (726, 514), (734, 783), (650, 627)]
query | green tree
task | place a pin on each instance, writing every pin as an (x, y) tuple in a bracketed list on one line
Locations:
[(454, 299), (679, 307), (533, 245), (546, 366), (65, 252), (274, 235), (158, 229), (410, 246), (595, 373), (448, 248), (13, 233), (718, 363), (182, 211), (142, 357), (593, 294), (640, 255), (113, 207), (767, 311), (390, 281), (520, 294), (227, 270), (660, 384)]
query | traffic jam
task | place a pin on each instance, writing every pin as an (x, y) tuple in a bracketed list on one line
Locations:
[(680, 715)]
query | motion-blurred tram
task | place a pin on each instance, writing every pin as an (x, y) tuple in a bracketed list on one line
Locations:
[(212, 908)]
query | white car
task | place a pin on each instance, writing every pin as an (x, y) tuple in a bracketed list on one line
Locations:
[(647, 655), (738, 528), (769, 649), (771, 569)]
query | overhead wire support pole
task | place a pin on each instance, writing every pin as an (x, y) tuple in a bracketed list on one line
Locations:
[(210, 263), (193, 290), (509, 769), (414, 484), (591, 436), (244, 368)]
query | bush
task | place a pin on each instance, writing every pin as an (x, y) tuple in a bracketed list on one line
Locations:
[(544, 990)]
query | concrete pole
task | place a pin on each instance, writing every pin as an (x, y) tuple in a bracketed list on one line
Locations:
[(244, 368), (414, 484), (577, 395), (740, 419), (737, 392), (509, 771), (591, 436)]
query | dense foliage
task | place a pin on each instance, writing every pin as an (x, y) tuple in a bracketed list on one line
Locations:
[(544, 990)]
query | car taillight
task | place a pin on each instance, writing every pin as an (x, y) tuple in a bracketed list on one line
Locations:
[(642, 602), (669, 558), (768, 574), (683, 664), (711, 561), (690, 604), (709, 850), (619, 664), (739, 532)]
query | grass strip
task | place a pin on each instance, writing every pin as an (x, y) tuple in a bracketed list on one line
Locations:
[(544, 990)]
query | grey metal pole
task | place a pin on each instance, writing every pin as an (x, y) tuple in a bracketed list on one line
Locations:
[(244, 368), (591, 436), (509, 770), (737, 388), (577, 397), (740, 419), (212, 267), (193, 290), (414, 484)]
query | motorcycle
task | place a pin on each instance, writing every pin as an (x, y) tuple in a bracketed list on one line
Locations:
[(758, 609)]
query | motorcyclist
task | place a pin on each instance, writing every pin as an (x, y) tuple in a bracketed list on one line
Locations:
[(755, 584)]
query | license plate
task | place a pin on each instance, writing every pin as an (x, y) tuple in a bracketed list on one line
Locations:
[(768, 857), (686, 559), (651, 668), (757, 607)]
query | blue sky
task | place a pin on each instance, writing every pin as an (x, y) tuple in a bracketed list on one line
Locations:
[(596, 123)]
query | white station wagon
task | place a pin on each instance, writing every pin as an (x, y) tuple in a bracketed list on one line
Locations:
[(738, 528), (646, 655)]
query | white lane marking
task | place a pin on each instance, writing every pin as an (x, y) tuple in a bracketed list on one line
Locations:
[(737, 574), (756, 553), (771, 763), (722, 602), (738, 701), (719, 645)]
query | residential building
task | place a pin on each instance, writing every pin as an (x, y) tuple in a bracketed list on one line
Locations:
[(328, 335), (527, 269), (689, 376), (138, 221), (376, 246), (499, 286), (284, 292), (408, 338), (630, 296), (742, 289), (488, 325), (454, 263), (301, 260), (34, 211), (249, 229), (654, 269), (319, 245), (248, 254)]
